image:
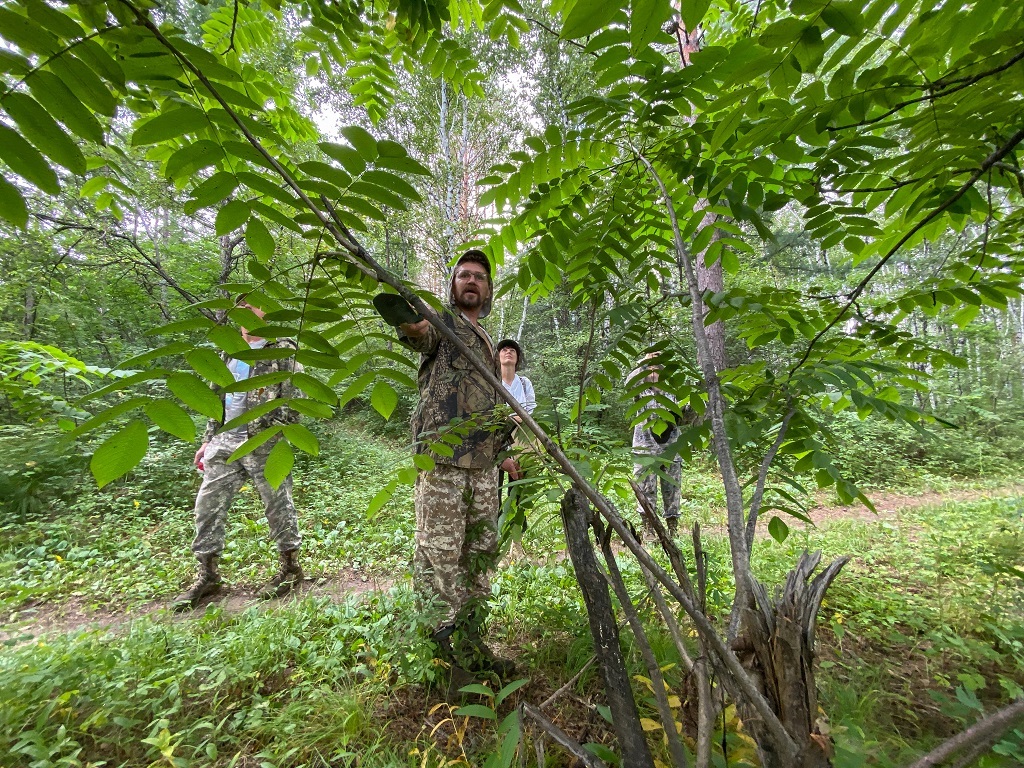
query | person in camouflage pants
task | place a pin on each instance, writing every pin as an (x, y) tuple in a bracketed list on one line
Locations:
[(457, 501), (221, 480), (647, 442)]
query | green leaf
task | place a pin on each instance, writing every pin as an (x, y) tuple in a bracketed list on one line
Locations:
[(645, 20), (349, 157), (51, 92), (253, 443), (42, 130), (302, 438), (229, 218), (193, 157), (228, 339), (384, 399), (84, 83), (477, 688), (778, 529), (509, 689), (170, 125), (693, 12), (109, 414), (26, 34), (171, 418), (311, 408), (423, 462), (120, 453), (378, 193), (363, 142), (210, 366), (844, 16), (52, 19), (396, 184), (383, 497), (26, 161), (588, 16), (403, 165), (211, 191), (259, 239), (314, 388), (476, 710), (279, 464), (12, 204), (194, 392), (328, 173)]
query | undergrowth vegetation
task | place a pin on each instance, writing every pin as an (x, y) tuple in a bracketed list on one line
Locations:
[(925, 623)]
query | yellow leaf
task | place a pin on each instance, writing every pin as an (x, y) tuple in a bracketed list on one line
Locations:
[(673, 701), (649, 725)]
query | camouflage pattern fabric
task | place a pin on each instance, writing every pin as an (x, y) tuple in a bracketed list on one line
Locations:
[(278, 391), (646, 444), (221, 482), (456, 537), (451, 388)]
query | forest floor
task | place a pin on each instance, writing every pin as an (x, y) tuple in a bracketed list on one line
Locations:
[(79, 613)]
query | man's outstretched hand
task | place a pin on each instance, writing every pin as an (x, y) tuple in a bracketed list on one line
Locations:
[(415, 330), (395, 310)]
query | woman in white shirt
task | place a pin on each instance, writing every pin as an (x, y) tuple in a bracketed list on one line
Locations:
[(510, 358)]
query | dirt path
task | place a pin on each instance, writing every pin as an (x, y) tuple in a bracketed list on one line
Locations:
[(74, 615), (888, 504)]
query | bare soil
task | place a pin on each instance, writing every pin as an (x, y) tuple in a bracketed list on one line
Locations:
[(77, 614)]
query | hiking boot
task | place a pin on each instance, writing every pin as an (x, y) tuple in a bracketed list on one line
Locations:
[(289, 578), (672, 524), (478, 657), (207, 583), (471, 650)]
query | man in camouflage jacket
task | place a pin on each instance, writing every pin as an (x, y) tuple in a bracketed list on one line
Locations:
[(457, 501), (221, 480)]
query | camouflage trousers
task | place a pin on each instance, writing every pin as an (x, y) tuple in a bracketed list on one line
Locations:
[(644, 444), (456, 537), (221, 481)]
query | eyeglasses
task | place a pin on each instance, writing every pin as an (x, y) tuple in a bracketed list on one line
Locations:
[(467, 275)]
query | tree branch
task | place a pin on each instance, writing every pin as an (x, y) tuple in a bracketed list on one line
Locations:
[(990, 727), (762, 477), (960, 85)]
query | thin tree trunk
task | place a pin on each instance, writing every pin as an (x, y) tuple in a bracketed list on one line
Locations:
[(625, 718), (522, 320)]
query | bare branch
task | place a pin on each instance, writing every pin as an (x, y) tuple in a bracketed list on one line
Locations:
[(988, 729), (561, 737), (762, 477)]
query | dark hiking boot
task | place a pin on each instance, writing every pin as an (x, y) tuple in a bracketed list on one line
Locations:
[(478, 657), (289, 578), (207, 583), (471, 650), (672, 524)]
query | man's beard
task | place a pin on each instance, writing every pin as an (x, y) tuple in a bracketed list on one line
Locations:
[(473, 301)]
